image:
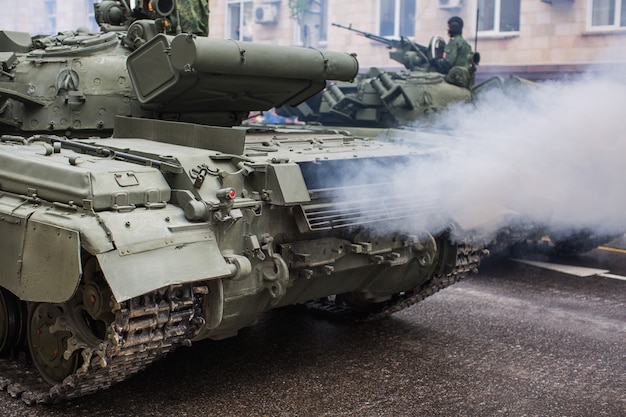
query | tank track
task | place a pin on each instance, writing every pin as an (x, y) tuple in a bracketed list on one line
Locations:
[(149, 327), (145, 329), (469, 256)]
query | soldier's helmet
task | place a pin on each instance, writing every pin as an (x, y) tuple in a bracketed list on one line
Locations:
[(455, 24)]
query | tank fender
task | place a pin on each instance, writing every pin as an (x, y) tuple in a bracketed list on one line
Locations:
[(49, 269), (94, 235), (158, 248), (41, 258), (131, 275)]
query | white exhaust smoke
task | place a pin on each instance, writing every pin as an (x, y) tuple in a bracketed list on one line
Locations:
[(554, 154)]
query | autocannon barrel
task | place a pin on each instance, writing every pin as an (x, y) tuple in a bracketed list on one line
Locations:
[(256, 59)]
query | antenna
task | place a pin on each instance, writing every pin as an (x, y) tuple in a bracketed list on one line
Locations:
[(179, 29), (476, 34)]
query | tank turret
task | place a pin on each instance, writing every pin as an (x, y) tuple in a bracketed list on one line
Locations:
[(63, 84), (137, 216), (381, 99)]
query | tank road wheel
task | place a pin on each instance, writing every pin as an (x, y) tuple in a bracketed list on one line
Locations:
[(63, 338), (48, 344), (12, 322)]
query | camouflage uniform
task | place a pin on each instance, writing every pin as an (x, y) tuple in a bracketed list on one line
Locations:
[(194, 18), (457, 54)]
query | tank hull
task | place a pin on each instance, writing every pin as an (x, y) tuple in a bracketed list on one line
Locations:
[(137, 216)]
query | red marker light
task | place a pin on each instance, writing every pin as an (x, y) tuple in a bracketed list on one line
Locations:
[(226, 194)]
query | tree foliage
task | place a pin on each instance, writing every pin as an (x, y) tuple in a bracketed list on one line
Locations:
[(297, 8)]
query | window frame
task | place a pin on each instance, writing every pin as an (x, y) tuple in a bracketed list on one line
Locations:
[(323, 40), (242, 7), (616, 26), (397, 19), (496, 32)]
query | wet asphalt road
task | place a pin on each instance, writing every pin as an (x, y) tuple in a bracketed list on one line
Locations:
[(514, 340)]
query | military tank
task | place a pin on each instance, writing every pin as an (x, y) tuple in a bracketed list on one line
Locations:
[(137, 216), (389, 99)]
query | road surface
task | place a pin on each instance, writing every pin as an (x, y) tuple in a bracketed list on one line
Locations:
[(517, 339)]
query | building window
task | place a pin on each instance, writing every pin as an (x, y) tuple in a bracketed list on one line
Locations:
[(608, 13), (498, 15), (323, 18), (51, 16), (311, 26), (397, 18), (239, 20)]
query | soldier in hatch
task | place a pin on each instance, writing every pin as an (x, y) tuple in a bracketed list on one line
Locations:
[(458, 52), (458, 62)]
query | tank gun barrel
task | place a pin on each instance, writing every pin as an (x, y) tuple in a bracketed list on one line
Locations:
[(403, 43), (402, 46), (368, 35), (187, 73), (163, 8), (257, 59)]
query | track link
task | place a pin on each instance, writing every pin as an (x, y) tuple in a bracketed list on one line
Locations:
[(468, 260), (145, 329), (149, 327)]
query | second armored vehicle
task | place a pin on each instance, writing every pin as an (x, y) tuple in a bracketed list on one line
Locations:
[(384, 99)]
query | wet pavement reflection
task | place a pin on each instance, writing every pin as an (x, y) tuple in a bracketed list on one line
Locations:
[(513, 340)]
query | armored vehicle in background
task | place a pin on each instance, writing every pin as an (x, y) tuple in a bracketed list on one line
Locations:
[(384, 99), (137, 217)]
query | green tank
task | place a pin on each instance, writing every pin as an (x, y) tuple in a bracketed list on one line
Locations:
[(388, 99), (137, 215), (399, 105)]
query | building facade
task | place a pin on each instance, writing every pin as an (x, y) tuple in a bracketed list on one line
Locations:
[(48, 16), (536, 39)]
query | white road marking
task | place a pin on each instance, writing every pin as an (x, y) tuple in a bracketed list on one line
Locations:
[(578, 271), (613, 276)]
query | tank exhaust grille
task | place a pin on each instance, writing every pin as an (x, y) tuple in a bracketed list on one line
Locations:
[(336, 215)]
